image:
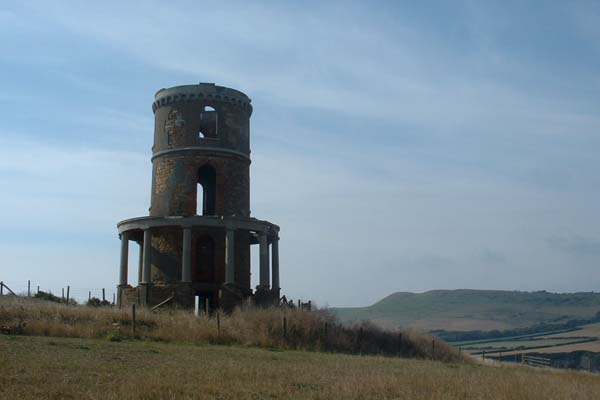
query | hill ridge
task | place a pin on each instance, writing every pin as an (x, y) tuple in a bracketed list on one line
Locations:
[(471, 309)]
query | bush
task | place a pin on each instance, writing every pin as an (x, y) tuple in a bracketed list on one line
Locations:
[(96, 302), (47, 296)]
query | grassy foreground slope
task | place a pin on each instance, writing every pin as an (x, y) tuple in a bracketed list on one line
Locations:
[(467, 309), (275, 327), (66, 368)]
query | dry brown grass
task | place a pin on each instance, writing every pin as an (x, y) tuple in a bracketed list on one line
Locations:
[(65, 368), (315, 331)]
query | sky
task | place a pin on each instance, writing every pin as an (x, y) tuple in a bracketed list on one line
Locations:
[(401, 146)]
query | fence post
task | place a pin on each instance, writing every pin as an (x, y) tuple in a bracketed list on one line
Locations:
[(1, 288), (359, 339), (103, 295), (133, 318), (68, 290), (197, 306), (28, 288), (38, 289), (399, 342), (89, 296), (113, 299)]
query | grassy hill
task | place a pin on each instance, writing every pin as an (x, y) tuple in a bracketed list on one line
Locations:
[(466, 309), (72, 368)]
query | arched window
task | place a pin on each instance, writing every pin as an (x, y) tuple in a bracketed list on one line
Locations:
[(206, 195), (208, 123)]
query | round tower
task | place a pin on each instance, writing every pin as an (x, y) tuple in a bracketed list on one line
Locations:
[(196, 241), (201, 143)]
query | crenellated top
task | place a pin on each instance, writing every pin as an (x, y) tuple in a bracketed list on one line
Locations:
[(202, 91), (201, 119)]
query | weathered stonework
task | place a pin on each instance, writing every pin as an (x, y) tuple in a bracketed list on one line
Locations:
[(175, 188), (201, 145)]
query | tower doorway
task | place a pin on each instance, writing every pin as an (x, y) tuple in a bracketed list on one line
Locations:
[(204, 270)]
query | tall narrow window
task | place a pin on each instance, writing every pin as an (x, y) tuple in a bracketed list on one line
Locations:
[(207, 179), (208, 123), (200, 200)]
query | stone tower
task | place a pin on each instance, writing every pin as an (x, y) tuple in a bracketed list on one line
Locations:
[(196, 240)]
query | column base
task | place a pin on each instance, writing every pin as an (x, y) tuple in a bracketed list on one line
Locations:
[(144, 293), (126, 295), (266, 297), (230, 296), (120, 289)]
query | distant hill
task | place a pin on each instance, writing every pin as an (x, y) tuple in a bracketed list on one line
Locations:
[(466, 309)]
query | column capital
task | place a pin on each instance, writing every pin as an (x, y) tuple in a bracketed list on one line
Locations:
[(273, 239)]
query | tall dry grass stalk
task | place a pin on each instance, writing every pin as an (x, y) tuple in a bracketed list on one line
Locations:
[(282, 328)]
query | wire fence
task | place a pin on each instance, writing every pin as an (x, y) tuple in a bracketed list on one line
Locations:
[(79, 294)]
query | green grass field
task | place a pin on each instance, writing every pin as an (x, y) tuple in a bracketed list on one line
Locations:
[(68, 368), (509, 345), (586, 337)]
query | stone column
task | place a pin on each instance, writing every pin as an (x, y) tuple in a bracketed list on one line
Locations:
[(186, 255), (275, 262), (147, 255), (230, 257), (140, 262), (124, 258), (264, 260)]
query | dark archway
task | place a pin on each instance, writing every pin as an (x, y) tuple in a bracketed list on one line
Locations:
[(204, 262), (207, 191)]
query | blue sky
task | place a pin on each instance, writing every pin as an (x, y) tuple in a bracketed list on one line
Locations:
[(401, 146)]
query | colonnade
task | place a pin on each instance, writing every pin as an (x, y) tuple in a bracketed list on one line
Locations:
[(266, 280)]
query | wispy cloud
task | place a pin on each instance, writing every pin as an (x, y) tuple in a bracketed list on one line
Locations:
[(577, 245), (308, 59), (399, 147)]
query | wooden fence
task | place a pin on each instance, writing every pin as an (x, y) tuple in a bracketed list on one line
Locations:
[(537, 361), (65, 296), (3, 286)]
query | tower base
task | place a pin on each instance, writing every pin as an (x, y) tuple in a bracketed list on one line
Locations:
[(182, 295)]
